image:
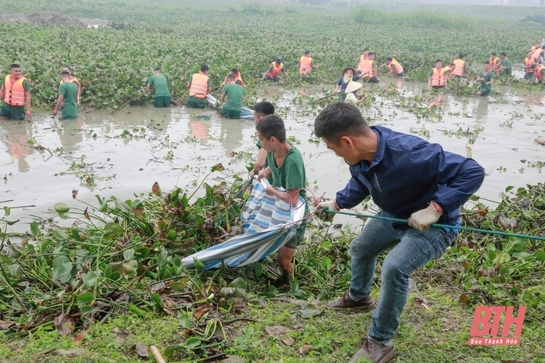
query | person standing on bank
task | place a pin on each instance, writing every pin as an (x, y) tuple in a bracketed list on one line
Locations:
[(160, 84), (199, 87), (407, 177), (67, 99), (284, 168), (261, 109), (16, 94)]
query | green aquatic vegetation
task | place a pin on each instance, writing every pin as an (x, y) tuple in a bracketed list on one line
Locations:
[(115, 63), (123, 259)]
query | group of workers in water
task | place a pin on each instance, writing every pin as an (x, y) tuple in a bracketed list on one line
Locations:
[(15, 90)]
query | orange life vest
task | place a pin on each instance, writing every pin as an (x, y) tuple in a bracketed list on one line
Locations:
[(367, 69), (305, 63), (494, 65), (537, 53), (276, 69), (537, 72), (399, 68), (14, 91), (447, 69), (438, 78), (199, 86), (528, 64), (363, 57), (459, 70), (74, 80)]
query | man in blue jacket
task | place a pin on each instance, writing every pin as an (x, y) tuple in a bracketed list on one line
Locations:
[(408, 178)]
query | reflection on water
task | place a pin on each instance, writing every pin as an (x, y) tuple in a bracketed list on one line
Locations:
[(127, 151), (16, 136), (480, 111)]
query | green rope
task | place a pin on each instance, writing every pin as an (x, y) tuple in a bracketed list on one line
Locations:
[(469, 229)]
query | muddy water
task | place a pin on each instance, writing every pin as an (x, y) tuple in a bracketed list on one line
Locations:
[(124, 153)]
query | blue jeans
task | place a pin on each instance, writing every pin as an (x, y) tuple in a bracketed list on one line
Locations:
[(411, 250)]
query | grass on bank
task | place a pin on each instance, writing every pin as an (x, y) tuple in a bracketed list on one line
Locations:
[(430, 332)]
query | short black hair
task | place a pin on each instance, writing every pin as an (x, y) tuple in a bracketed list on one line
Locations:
[(452, 64), (493, 53), (366, 49), (231, 76), (307, 52), (157, 69), (487, 62), (389, 59), (65, 73), (14, 65), (264, 108), (460, 56), (234, 71), (371, 53), (272, 125), (278, 60), (339, 119), (504, 54), (204, 68)]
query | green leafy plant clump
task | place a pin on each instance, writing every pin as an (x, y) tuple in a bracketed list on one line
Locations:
[(115, 62), (124, 257)]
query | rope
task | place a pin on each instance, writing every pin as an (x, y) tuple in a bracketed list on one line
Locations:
[(460, 228)]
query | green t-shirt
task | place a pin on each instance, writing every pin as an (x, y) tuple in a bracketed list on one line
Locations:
[(26, 86), (487, 78), (289, 175), (507, 63), (234, 93), (70, 92), (160, 84)]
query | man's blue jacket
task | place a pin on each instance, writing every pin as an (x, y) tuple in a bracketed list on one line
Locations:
[(407, 173)]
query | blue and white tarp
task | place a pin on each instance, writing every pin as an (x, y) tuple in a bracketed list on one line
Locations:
[(268, 224)]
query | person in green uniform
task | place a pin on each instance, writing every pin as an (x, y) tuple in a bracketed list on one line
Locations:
[(160, 84), (234, 94), (284, 168), (67, 99), (486, 76), (506, 67), (261, 109), (15, 92)]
